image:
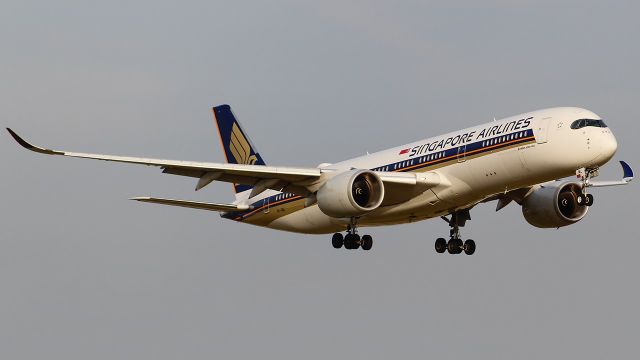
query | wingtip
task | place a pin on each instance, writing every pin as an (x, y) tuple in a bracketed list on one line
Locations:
[(627, 171), (20, 140), (25, 144)]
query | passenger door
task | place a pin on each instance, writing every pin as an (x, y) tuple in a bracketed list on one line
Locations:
[(542, 130)]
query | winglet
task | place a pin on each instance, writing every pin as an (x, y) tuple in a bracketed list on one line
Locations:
[(627, 171), (31, 147)]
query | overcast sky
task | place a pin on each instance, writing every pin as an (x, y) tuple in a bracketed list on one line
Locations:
[(87, 274)]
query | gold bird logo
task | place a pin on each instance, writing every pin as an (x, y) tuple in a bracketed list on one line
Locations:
[(240, 148)]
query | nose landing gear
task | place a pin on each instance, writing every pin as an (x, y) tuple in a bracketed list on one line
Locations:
[(585, 175), (455, 245)]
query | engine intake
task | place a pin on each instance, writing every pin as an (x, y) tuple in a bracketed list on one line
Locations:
[(351, 193), (554, 205)]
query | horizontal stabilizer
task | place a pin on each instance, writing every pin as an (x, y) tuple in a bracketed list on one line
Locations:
[(627, 176), (193, 204)]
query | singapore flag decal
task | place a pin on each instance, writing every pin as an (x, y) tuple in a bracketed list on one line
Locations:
[(404, 151)]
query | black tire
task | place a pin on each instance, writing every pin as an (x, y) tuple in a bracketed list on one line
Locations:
[(469, 247), (348, 241), (356, 241), (366, 242), (352, 241), (589, 200), (455, 246), (581, 199), (337, 240), (441, 245)]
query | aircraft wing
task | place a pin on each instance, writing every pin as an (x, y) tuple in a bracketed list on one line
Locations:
[(206, 172), (295, 180)]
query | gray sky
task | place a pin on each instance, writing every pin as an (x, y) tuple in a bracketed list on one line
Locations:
[(87, 274)]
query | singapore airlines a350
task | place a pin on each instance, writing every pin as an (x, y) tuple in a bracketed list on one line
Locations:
[(517, 159)]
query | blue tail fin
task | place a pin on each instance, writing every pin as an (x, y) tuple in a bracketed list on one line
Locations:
[(238, 148)]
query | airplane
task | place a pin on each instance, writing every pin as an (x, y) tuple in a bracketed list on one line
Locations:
[(522, 159)]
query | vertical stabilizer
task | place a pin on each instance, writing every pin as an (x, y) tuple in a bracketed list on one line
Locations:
[(238, 148)]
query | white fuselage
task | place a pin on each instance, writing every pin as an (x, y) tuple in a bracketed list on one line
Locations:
[(477, 162)]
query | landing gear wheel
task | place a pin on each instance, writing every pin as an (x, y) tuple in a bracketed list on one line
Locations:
[(337, 240), (455, 246), (441, 245), (348, 241), (469, 247), (588, 200), (366, 242), (352, 241), (581, 199)]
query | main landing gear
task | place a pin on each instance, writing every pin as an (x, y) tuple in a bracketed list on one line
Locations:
[(455, 245), (352, 240)]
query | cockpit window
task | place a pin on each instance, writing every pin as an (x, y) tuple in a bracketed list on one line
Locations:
[(588, 122)]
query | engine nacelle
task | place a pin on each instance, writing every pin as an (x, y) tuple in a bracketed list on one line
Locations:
[(351, 193), (554, 205)]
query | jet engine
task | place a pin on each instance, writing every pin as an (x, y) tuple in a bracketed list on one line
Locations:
[(351, 193), (554, 205)]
